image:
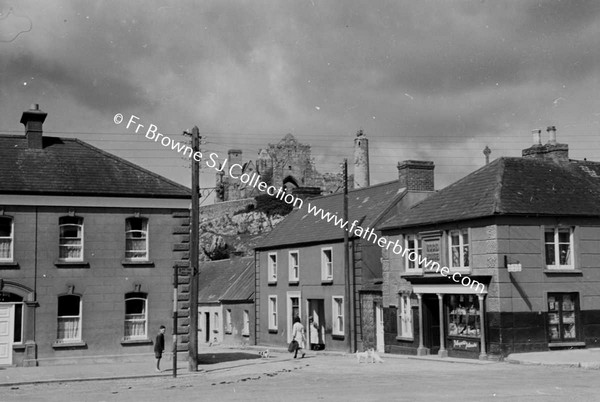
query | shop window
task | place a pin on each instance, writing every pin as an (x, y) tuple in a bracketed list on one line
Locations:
[(563, 311), (6, 239), (228, 323), (69, 319), (71, 238), (413, 245), (136, 239), (459, 249), (136, 316), (246, 328), (294, 264), (338, 315), (405, 317), (273, 313), (463, 316), (272, 265), (558, 244), (326, 265)]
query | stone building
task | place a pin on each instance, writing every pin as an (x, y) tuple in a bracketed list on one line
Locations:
[(288, 164)]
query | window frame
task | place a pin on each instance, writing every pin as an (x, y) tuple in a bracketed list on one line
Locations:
[(337, 312), (273, 315), (227, 322), (272, 267), (135, 296), (146, 223), (405, 322), (461, 246), (326, 266), (79, 317), (246, 323), (418, 268), (81, 226), (294, 278), (556, 243), (11, 238)]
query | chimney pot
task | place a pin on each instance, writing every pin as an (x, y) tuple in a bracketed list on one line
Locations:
[(552, 134), (33, 120), (35, 106), (537, 137)]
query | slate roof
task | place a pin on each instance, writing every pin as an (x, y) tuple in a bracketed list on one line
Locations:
[(68, 166), (231, 280), (511, 186), (365, 205)]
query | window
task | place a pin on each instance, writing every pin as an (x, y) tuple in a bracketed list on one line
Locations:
[(216, 323), (459, 248), (558, 247), (405, 318), (71, 238), (246, 328), (463, 316), (338, 315), (69, 319), (228, 324), (273, 312), (294, 266), (326, 264), (563, 311), (272, 262), (413, 245), (136, 316), (136, 239), (6, 239)]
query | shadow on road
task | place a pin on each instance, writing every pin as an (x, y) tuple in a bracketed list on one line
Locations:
[(213, 358)]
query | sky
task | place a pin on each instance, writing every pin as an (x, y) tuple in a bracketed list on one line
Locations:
[(424, 80)]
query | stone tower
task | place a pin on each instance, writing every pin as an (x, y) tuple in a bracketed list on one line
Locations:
[(361, 160)]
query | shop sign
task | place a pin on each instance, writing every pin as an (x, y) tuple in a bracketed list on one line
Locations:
[(465, 345), (514, 267)]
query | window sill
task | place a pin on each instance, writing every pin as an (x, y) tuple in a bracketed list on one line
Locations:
[(19, 348), (228, 332), (246, 335), (69, 345), (326, 281), (563, 271), (294, 283), (71, 264), (404, 338), (137, 263), (411, 274), (339, 337), (565, 344), (9, 265), (272, 330), (272, 283), (126, 342)]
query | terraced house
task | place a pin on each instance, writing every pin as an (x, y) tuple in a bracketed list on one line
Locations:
[(88, 243), (529, 229)]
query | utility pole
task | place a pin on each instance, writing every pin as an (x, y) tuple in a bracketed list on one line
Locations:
[(194, 246), (347, 284), (175, 284)]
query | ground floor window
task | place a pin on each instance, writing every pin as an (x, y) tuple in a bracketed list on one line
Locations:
[(405, 318), (246, 329), (338, 315), (272, 312), (563, 309), (463, 316), (136, 316), (69, 319)]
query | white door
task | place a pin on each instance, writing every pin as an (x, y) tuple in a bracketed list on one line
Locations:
[(379, 342), (6, 333)]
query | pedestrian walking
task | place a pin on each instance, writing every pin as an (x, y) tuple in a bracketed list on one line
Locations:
[(159, 346), (298, 336)]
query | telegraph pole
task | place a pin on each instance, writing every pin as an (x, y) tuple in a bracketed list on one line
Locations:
[(347, 285), (194, 246)]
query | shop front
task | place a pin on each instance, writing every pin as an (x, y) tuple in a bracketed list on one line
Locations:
[(452, 319)]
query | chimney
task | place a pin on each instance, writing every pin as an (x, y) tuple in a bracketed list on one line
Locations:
[(416, 175), (235, 158), (361, 161), (33, 119), (487, 151), (552, 150)]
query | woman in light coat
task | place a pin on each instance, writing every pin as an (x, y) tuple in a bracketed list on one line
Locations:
[(298, 335)]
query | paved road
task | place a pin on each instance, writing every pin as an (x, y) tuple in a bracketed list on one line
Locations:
[(336, 378)]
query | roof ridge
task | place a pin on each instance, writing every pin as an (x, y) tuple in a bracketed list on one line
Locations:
[(125, 161), (354, 190)]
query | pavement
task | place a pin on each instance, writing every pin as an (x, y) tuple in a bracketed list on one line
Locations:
[(13, 376)]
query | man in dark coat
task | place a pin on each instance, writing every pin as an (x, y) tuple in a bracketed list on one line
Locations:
[(159, 346)]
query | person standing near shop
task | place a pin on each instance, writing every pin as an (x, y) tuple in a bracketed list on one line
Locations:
[(159, 346)]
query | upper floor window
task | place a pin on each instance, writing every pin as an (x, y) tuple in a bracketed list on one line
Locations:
[(272, 265), (294, 264), (459, 248), (69, 319), (558, 247), (71, 238), (136, 316), (136, 239), (326, 264), (413, 245), (6, 239)]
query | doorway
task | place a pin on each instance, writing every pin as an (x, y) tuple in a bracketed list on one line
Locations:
[(316, 324), (379, 337), (6, 333), (431, 323), (207, 327)]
